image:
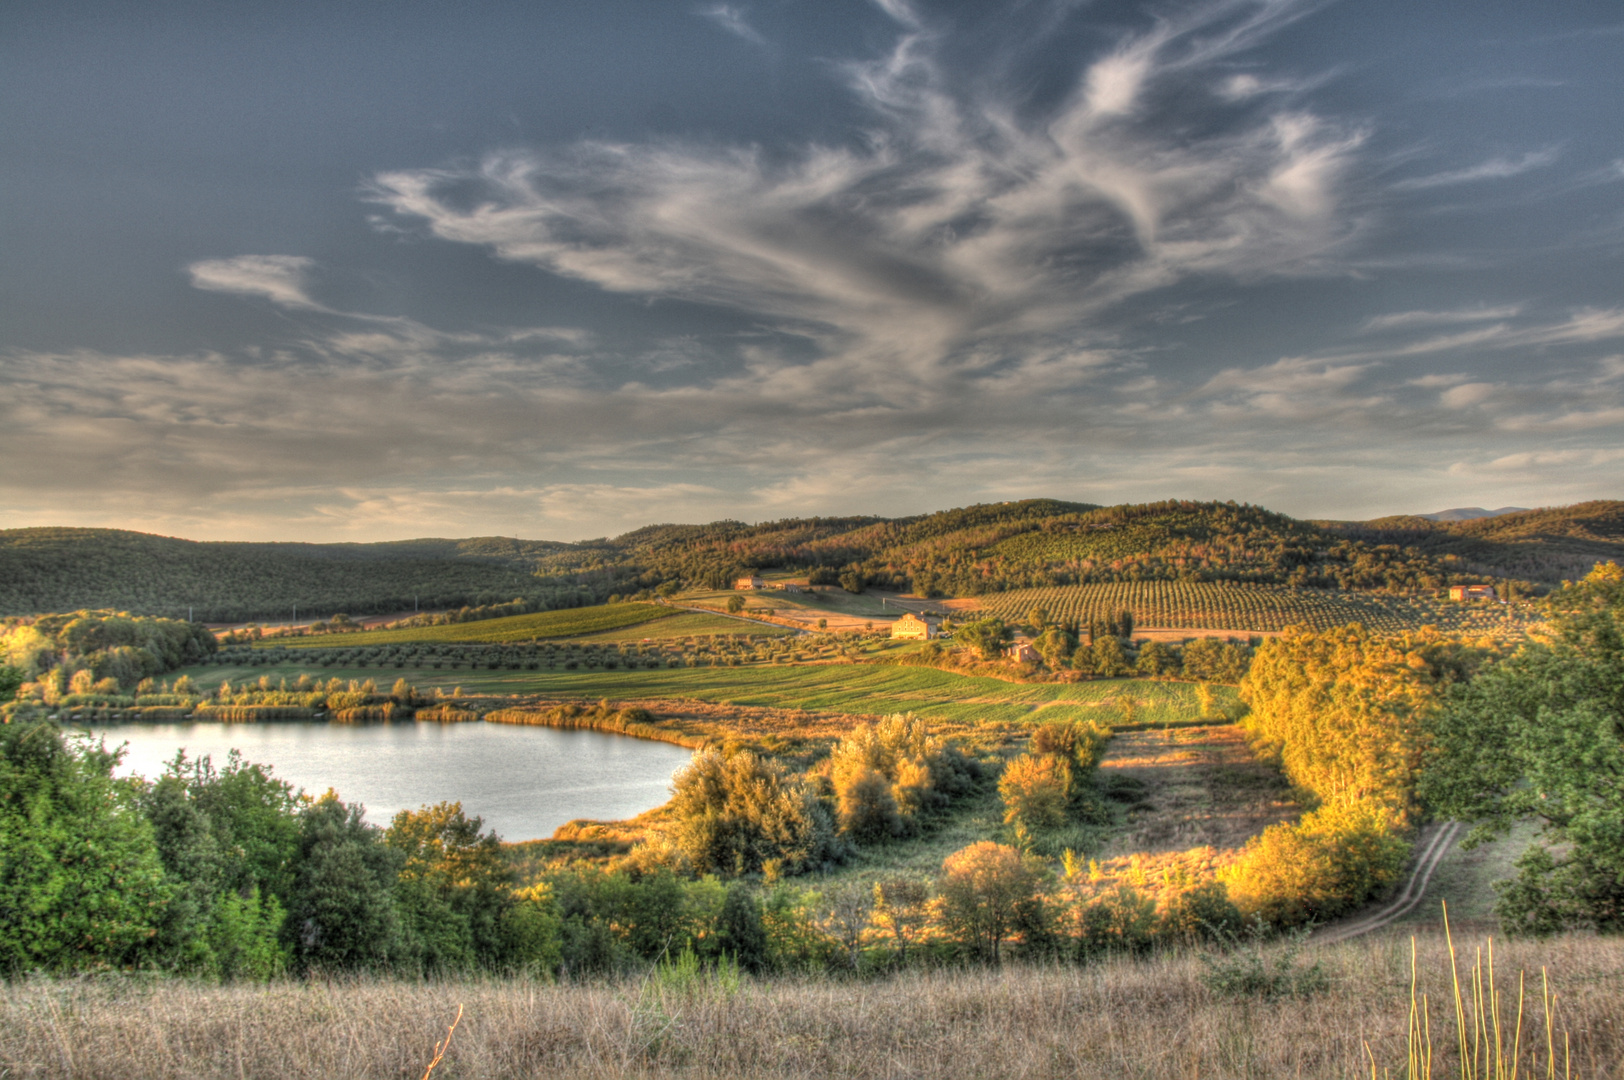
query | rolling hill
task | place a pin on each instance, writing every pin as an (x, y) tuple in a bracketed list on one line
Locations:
[(970, 551)]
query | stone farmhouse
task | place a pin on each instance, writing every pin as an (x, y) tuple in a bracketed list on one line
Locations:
[(750, 583), (1472, 592), (1022, 652)]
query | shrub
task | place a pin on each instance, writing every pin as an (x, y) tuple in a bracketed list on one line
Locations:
[(1325, 865)]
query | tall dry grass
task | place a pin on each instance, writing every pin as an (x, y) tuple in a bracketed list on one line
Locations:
[(1147, 1019)]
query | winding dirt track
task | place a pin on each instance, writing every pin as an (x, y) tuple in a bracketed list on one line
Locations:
[(1437, 842)]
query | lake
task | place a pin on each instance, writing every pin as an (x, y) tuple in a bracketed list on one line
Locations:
[(524, 781)]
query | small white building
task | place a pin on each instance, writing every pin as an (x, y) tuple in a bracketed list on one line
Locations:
[(1023, 652)]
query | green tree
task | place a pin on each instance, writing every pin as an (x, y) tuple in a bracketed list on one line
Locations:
[(988, 892), (453, 886), (735, 604), (986, 636), (81, 884), (342, 914), (1541, 735), (740, 931), (735, 813)]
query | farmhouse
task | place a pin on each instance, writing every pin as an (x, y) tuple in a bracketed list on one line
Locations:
[(1471, 592), (1022, 652), (912, 627), (750, 583), (788, 586)]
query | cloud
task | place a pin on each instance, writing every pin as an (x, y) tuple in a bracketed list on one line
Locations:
[(730, 17), (281, 279), (1405, 319), (1498, 168), (963, 225)]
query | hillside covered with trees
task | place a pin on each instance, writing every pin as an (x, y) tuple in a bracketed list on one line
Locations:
[(972, 551)]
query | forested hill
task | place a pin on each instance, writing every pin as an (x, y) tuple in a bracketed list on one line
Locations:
[(1548, 546), (69, 569), (963, 552)]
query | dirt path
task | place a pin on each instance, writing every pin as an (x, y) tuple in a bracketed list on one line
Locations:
[(1437, 841)]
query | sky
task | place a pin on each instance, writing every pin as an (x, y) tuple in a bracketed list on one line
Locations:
[(347, 270)]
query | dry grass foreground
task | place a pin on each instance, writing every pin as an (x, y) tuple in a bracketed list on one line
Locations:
[(1151, 1019)]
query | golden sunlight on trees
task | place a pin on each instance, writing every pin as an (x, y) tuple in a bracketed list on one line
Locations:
[(989, 892)]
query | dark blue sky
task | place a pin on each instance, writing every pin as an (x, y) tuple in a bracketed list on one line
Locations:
[(367, 270)]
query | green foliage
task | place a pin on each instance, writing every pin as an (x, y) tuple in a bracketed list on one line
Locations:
[(1324, 866), (990, 892), (100, 652), (452, 888), (1247, 970), (227, 840), (81, 885), (888, 775), (342, 912), (1540, 735), (986, 636), (1344, 709), (741, 934), (11, 678), (737, 813)]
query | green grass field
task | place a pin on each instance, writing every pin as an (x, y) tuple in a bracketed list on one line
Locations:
[(852, 688), (569, 622), (687, 624)]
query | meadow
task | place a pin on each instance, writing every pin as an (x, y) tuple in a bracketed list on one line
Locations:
[(1158, 1018)]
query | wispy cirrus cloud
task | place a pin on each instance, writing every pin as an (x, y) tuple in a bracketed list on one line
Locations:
[(281, 279), (963, 228), (731, 17), (1496, 168)]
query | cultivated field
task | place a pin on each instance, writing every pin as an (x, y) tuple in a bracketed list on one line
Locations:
[(568, 622), (832, 687), (1155, 1019), (1242, 607)]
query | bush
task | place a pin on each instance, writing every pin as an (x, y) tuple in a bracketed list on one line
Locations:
[(1325, 865)]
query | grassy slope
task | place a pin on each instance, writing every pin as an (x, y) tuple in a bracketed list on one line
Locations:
[(570, 622)]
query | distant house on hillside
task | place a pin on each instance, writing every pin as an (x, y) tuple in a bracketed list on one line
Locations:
[(912, 627), (1022, 652), (1472, 592), (750, 583), (788, 586)]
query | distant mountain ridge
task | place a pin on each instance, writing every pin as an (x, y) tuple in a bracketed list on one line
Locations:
[(970, 551), (1471, 513)]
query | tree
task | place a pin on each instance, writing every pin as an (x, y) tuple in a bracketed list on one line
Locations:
[(1036, 789), (1344, 709), (740, 930), (453, 887), (735, 813), (987, 891), (342, 914), (1541, 735), (901, 909), (735, 604), (81, 885), (1325, 865), (986, 636)]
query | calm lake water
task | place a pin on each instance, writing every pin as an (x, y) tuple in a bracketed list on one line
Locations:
[(524, 781)]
